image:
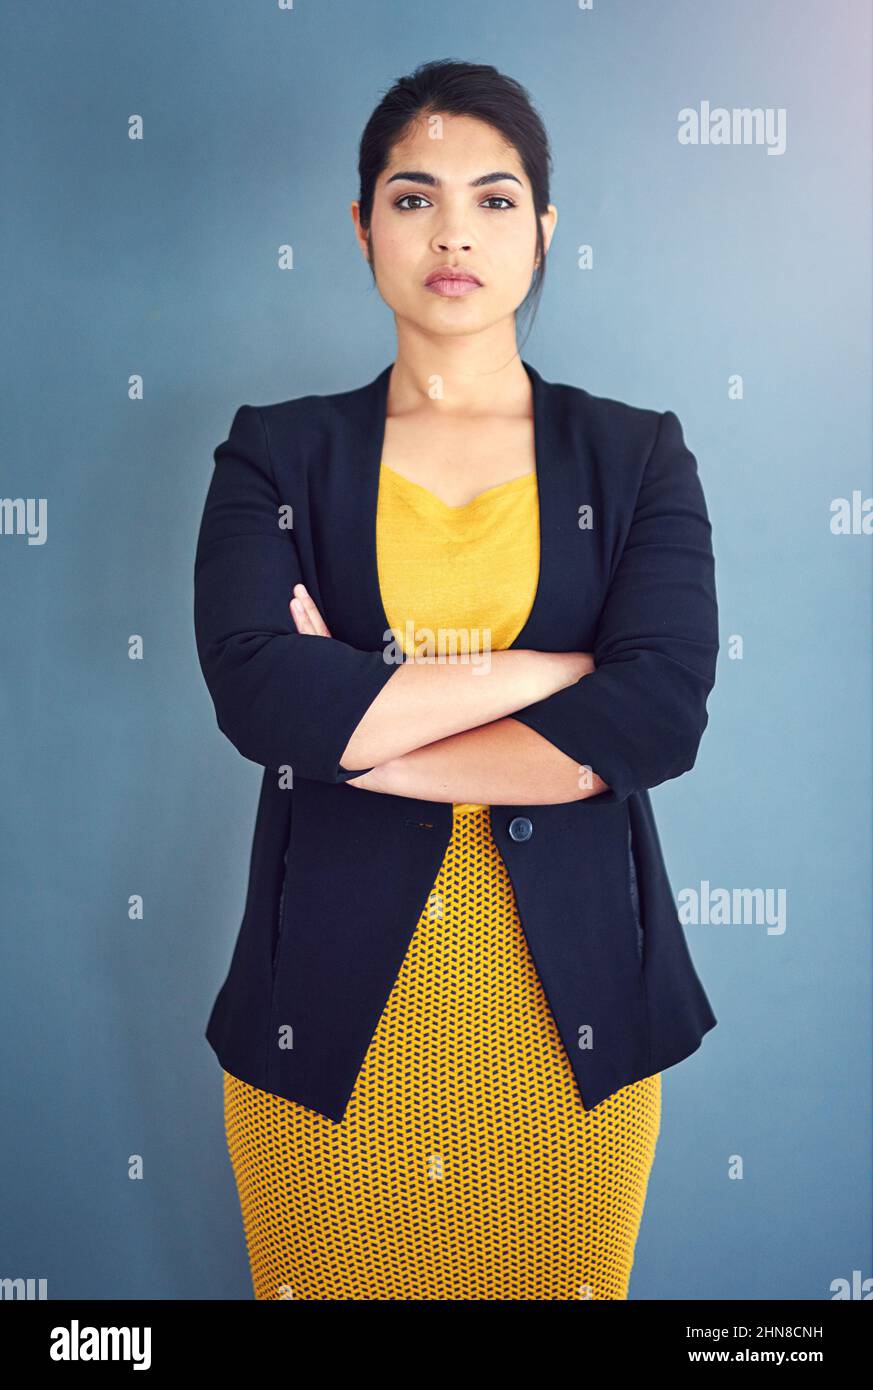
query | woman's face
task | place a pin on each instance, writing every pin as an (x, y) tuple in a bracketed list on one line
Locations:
[(454, 193)]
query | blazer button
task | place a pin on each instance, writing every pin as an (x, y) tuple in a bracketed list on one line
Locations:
[(520, 828)]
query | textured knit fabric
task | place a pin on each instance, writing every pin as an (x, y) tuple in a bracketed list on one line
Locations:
[(465, 1166)]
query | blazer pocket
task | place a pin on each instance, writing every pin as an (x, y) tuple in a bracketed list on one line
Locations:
[(280, 919), (634, 893)]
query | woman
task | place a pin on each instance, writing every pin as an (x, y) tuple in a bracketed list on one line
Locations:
[(456, 1158)]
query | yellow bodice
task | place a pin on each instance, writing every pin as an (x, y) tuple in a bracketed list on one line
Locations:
[(457, 579)]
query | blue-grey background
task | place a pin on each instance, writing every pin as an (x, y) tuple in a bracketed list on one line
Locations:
[(159, 257)]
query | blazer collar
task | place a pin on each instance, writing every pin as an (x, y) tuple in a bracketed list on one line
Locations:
[(554, 616)]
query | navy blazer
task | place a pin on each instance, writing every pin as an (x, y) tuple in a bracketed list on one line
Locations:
[(339, 876)]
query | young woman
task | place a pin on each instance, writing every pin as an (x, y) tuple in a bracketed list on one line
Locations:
[(461, 971)]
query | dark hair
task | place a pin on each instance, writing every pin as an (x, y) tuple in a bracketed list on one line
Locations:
[(460, 89)]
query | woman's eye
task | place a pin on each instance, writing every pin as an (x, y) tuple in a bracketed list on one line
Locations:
[(404, 206)]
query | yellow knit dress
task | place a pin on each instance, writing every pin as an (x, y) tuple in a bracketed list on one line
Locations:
[(465, 1166)]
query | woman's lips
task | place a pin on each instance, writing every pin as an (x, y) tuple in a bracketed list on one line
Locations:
[(452, 287)]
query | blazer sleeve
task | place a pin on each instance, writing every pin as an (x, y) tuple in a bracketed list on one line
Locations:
[(282, 697), (638, 718)]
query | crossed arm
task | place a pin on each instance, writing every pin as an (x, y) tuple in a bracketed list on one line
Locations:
[(542, 727), (463, 743)]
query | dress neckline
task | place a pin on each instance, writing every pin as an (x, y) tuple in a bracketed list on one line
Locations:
[(485, 495)]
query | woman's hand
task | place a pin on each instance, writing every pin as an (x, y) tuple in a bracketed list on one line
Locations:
[(306, 615)]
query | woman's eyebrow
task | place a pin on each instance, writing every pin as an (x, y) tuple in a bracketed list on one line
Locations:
[(418, 176)]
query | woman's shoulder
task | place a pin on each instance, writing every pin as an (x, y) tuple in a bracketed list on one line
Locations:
[(608, 424), (313, 426), (595, 404)]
